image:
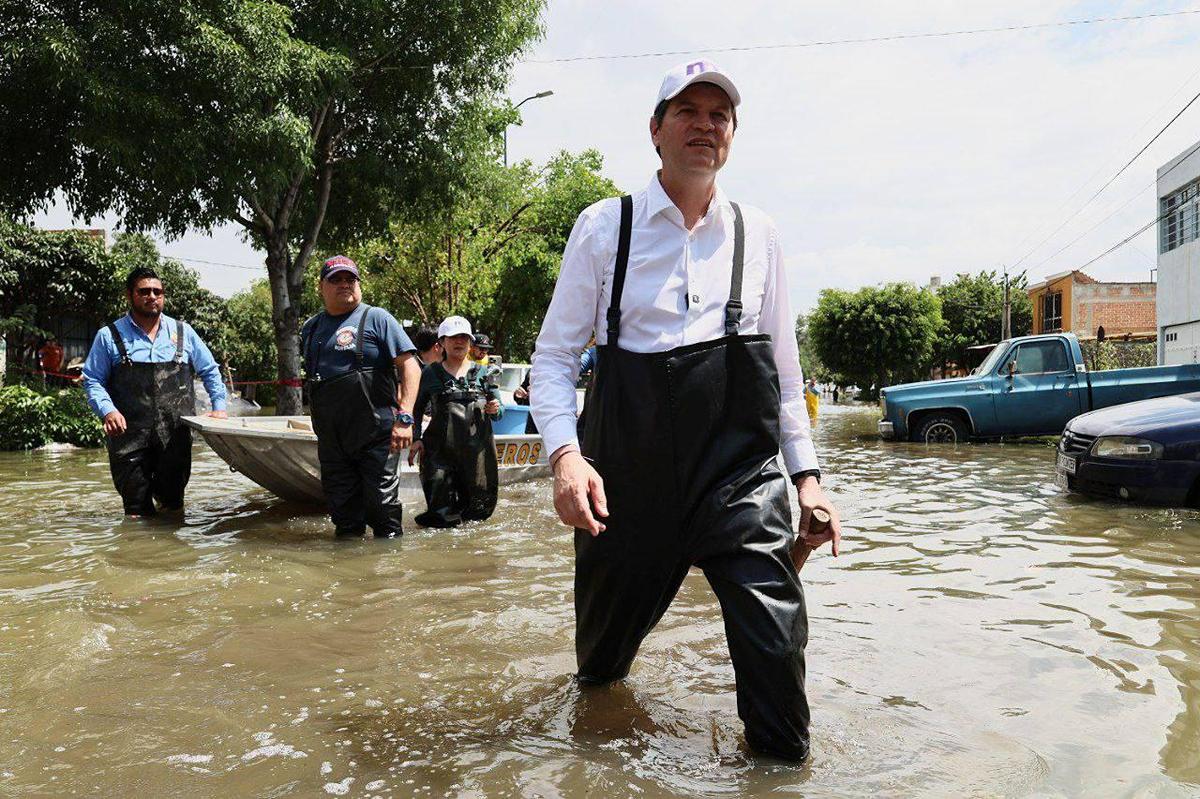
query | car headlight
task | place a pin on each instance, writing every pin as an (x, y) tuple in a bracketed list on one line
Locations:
[(883, 405), (1127, 448)]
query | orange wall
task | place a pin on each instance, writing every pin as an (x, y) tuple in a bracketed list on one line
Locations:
[(1064, 285)]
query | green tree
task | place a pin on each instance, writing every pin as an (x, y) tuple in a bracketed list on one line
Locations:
[(809, 362), (876, 336), (296, 121), (45, 275), (972, 307), (493, 255)]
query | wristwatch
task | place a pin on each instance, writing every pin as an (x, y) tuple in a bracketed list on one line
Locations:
[(404, 418)]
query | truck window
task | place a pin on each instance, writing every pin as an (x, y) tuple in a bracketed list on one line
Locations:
[(1040, 357)]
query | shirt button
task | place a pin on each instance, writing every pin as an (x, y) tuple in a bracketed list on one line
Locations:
[(695, 299)]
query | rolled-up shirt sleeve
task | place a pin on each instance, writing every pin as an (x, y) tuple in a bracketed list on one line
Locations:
[(777, 319), (206, 369), (568, 326)]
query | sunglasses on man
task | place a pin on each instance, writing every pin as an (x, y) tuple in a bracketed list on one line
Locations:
[(148, 291)]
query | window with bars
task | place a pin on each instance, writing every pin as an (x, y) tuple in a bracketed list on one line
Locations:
[(1180, 222), (1051, 312)]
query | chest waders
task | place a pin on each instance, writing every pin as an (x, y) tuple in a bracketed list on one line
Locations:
[(359, 472), (152, 459), (686, 442), (458, 465)]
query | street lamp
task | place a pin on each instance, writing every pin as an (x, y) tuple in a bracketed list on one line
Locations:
[(537, 96)]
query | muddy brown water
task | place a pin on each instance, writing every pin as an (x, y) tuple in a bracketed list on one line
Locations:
[(982, 635)]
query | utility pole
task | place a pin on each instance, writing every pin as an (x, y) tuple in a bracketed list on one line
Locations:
[(1006, 318)]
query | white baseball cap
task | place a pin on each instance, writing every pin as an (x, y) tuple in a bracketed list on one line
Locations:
[(699, 71), (455, 326)]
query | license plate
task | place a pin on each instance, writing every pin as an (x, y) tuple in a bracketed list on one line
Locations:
[(1066, 463)]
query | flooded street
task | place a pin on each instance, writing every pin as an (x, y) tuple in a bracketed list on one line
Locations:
[(981, 635)]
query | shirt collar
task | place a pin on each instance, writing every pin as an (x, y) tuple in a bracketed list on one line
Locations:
[(657, 200), (165, 324)]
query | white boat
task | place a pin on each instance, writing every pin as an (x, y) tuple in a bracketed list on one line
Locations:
[(280, 454)]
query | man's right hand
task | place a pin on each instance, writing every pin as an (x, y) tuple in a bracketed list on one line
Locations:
[(114, 423), (415, 451), (578, 488)]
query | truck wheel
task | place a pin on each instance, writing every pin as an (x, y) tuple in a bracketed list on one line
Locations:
[(942, 428)]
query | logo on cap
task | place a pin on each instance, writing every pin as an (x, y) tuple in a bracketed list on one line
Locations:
[(697, 66)]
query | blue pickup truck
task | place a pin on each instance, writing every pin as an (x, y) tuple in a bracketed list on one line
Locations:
[(1028, 386)]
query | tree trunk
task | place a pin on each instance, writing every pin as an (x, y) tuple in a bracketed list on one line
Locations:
[(285, 318)]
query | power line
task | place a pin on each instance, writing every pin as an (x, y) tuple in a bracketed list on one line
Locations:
[(862, 40), (1110, 181), (166, 256), (1033, 231), (1119, 208)]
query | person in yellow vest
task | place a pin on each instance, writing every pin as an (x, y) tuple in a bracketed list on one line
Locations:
[(812, 398)]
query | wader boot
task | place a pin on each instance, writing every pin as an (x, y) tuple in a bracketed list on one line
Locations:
[(152, 459), (359, 472), (686, 442)]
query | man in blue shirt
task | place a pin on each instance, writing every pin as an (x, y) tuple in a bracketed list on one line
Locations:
[(361, 415), (138, 379)]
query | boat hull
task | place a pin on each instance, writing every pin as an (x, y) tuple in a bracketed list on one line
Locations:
[(280, 454)]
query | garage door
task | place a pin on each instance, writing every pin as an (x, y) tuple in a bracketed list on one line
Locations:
[(1181, 343)]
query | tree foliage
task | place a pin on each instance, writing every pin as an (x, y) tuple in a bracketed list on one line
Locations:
[(292, 120), (876, 336), (810, 364), (972, 307), (46, 274), (493, 255)]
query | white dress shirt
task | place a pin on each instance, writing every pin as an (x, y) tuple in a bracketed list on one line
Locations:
[(676, 287)]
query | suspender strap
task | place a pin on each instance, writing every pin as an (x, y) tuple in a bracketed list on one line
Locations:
[(733, 308), (358, 341), (180, 332), (618, 284), (120, 342), (310, 358)]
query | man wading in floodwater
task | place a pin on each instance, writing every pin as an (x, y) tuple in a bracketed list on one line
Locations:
[(697, 389), (362, 420), (138, 379)]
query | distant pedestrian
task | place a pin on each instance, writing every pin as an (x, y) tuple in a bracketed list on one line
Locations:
[(812, 400), (138, 379), (50, 356), (836, 392)]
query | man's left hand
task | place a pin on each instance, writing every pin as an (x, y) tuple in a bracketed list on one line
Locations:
[(492, 408), (219, 414), (401, 436), (812, 496)]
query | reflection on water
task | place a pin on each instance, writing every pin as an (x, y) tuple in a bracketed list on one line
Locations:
[(981, 635)]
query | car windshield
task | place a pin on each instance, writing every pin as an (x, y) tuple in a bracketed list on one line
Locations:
[(992, 360)]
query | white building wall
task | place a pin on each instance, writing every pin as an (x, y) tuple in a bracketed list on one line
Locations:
[(1179, 269)]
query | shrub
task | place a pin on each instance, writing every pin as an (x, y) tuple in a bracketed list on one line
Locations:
[(29, 419)]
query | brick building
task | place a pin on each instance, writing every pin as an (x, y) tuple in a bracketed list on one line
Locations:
[(1075, 302)]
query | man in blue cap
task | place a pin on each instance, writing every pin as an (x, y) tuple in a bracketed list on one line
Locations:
[(361, 416), (138, 379)]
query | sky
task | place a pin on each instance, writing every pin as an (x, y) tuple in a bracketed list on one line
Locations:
[(881, 161)]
